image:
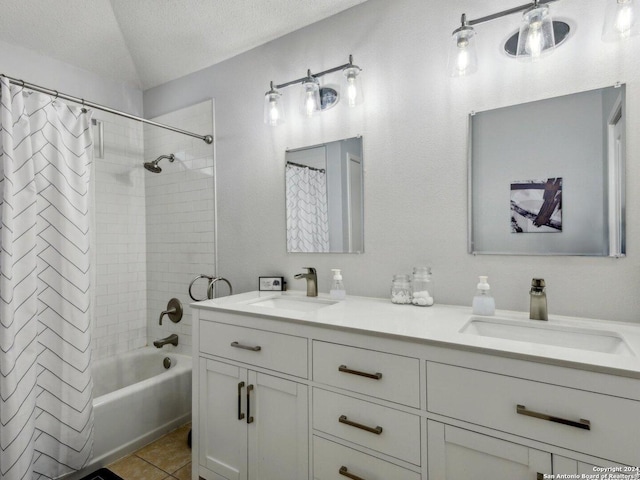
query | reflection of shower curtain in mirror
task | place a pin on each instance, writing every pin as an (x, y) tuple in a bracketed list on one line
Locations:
[(45, 342), (307, 219)]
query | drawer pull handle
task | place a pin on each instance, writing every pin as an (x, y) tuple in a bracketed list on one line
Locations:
[(249, 417), (257, 348), (583, 424), (240, 414), (345, 472), (346, 421), (345, 369)]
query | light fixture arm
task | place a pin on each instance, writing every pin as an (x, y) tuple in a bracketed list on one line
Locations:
[(320, 74), (504, 13)]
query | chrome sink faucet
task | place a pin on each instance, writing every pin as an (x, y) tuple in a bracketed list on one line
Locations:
[(312, 281), (538, 297)]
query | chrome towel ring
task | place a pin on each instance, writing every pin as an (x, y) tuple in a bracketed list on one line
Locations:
[(212, 282)]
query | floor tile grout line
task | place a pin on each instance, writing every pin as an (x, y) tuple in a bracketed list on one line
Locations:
[(135, 454), (152, 464)]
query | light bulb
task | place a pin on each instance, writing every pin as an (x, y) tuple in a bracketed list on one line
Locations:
[(533, 44), (621, 20), (463, 59), (273, 112), (352, 83), (310, 96), (309, 103), (535, 37), (274, 115), (624, 18), (352, 90)]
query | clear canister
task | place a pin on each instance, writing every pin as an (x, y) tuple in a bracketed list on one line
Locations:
[(401, 289), (422, 293)]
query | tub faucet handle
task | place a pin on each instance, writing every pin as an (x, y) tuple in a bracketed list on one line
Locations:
[(174, 311)]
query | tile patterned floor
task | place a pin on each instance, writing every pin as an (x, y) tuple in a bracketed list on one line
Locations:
[(169, 457)]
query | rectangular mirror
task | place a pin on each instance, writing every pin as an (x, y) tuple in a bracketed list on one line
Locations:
[(548, 177), (324, 198)]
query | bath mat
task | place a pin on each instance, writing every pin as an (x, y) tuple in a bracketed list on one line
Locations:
[(102, 474)]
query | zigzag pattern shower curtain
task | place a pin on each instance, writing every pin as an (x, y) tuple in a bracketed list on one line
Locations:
[(307, 210), (46, 415)]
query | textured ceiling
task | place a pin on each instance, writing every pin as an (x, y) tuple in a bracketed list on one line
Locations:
[(150, 42)]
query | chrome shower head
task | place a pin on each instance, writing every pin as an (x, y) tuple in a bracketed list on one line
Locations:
[(153, 166)]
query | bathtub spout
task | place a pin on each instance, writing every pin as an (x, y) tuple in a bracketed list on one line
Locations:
[(172, 339)]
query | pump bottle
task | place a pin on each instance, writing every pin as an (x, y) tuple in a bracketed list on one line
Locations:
[(483, 302), (337, 291)]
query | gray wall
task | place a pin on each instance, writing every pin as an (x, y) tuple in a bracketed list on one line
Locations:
[(414, 124)]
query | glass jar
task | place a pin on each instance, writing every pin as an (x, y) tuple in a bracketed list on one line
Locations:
[(422, 293), (401, 290)]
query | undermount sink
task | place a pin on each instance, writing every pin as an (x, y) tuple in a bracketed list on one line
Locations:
[(299, 304), (535, 331)]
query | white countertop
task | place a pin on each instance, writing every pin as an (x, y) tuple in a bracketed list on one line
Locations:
[(440, 325)]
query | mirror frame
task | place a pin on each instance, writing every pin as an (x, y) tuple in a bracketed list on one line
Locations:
[(612, 232), (345, 177)]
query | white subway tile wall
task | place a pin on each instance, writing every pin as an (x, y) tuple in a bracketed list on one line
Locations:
[(119, 246), (180, 217)]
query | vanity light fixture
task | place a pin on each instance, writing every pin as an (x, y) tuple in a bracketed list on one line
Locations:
[(538, 35), (620, 20), (313, 97)]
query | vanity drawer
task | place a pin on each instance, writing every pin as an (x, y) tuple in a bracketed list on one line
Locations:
[(388, 376), (329, 459), (275, 351), (592, 423), (379, 428)]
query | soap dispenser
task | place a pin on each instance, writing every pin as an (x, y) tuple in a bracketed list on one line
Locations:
[(337, 291), (483, 302)]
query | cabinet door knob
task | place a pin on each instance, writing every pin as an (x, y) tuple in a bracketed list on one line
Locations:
[(345, 369), (240, 414), (582, 423), (257, 348), (345, 472), (346, 421)]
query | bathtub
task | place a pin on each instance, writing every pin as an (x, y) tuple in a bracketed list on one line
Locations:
[(137, 400)]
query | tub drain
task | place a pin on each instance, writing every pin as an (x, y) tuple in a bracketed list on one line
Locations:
[(166, 362)]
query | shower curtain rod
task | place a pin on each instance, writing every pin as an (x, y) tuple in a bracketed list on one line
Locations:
[(306, 166), (85, 103)]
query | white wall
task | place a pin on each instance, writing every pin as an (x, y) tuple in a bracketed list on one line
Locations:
[(119, 247), (179, 218), (414, 124)]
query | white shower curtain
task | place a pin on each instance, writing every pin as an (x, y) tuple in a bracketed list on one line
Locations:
[(46, 411), (307, 214)]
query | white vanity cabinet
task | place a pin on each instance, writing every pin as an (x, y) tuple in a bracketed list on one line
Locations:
[(457, 454), (376, 420), (251, 424), (584, 421), (279, 398)]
